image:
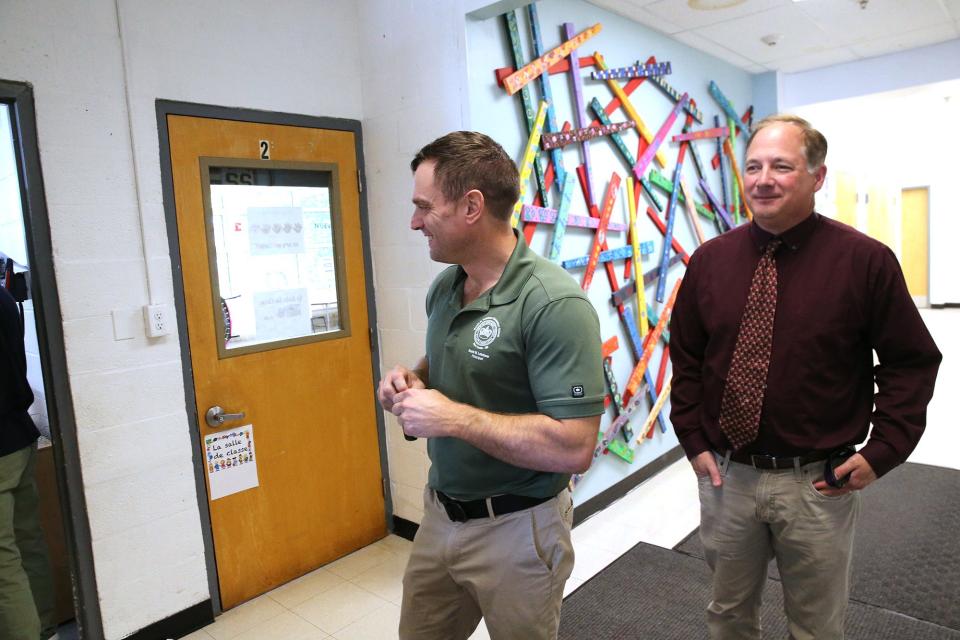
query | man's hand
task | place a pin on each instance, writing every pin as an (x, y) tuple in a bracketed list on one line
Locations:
[(426, 413), (705, 464), (861, 475), (397, 380)]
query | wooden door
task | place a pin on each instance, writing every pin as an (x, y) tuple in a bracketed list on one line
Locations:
[(268, 221), (915, 231)]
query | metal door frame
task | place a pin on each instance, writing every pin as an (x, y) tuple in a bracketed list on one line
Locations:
[(63, 425)]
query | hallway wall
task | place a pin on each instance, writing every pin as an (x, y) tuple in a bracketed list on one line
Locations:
[(100, 162)]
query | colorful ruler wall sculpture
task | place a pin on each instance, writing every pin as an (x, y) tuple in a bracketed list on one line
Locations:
[(646, 249)]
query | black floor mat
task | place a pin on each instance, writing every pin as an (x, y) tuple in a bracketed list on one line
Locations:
[(651, 593), (906, 553)]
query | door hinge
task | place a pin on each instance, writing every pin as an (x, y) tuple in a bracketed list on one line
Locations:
[(359, 182), (383, 487), (370, 337)]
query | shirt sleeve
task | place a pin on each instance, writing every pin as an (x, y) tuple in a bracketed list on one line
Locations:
[(564, 359), (907, 370), (688, 341)]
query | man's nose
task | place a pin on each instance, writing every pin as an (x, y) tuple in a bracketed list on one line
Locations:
[(416, 222)]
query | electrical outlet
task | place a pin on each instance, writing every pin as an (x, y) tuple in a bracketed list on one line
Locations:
[(156, 317)]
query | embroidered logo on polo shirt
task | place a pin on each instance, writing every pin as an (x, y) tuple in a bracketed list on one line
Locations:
[(576, 391), (484, 333)]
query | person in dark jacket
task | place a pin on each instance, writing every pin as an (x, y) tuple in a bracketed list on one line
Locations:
[(26, 586)]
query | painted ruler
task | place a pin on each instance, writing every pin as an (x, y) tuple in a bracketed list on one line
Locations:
[(647, 430), (529, 154), (551, 125), (673, 241), (717, 205), (725, 105), (644, 160), (629, 109), (518, 79), (668, 233), (736, 173), (692, 213), (532, 213), (562, 216), (636, 71), (674, 95), (661, 181), (580, 109), (625, 152), (620, 253), (633, 382), (715, 132), (600, 237), (621, 295), (736, 187), (635, 245), (529, 110), (563, 138)]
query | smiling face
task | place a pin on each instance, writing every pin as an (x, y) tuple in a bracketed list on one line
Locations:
[(441, 221), (779, 186)]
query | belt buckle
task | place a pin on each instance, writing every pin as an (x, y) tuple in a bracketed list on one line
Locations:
[(763, 462), (453, 508)]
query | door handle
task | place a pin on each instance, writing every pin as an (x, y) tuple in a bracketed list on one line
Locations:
[(215, 417)]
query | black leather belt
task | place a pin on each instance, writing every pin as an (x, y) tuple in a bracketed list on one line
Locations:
[(463, 510), (768, 463)]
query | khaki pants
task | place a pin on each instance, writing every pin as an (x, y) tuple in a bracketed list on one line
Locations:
[(509, 570), (759, 515), (26, 587)]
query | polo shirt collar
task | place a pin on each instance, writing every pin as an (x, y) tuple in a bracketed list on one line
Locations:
[(794, 237), (515, 274)]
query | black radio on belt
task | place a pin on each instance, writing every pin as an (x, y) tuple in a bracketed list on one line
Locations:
[(834, 460)]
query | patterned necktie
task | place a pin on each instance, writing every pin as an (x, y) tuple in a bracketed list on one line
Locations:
[(747, 377)]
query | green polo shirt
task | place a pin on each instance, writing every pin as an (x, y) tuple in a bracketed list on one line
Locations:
[(531, 344)]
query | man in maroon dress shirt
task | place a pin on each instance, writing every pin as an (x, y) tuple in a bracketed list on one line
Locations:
[(839, 297)]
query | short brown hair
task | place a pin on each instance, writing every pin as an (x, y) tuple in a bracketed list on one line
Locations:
[(814, 142), (468, 160)]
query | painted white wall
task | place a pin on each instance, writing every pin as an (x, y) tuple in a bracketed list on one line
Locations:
[(900, 139), (136, 456), (621, 42), (914, 67), (413, 91)]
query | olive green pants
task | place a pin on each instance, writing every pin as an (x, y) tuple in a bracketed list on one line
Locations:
[(26, 586), (759, 515), (509, 570)]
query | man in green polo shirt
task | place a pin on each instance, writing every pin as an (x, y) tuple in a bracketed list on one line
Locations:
[(509, 395)]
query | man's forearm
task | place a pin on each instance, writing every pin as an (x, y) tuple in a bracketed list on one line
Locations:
[(532, 441), (422, 370)]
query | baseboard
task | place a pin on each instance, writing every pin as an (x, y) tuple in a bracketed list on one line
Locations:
[(179, 624), (614, 492), (404, 528), (945, 305)]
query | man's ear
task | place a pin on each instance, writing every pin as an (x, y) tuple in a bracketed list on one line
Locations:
[(474, 204), (819, 175)]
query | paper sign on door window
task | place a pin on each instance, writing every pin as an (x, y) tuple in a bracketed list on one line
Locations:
[(231, 464), (275, 230), (283, 313)]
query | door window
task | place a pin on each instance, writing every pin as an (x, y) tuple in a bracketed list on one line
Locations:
[(275, 263)]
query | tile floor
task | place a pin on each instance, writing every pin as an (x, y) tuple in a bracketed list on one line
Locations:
[(358, 597)]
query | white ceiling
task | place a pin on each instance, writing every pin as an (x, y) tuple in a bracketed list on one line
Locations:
[(810, 33)]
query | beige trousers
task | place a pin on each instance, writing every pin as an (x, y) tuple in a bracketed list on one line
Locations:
[(759, 515), (509, 570)]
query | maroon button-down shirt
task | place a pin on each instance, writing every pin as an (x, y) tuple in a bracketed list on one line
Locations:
[(840, 297)]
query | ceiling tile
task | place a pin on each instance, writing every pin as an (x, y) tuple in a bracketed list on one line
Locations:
[(799, 35), (815, 60), (908, 40), (845, 22), (634, 10), (679, 12), (706, 45)]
